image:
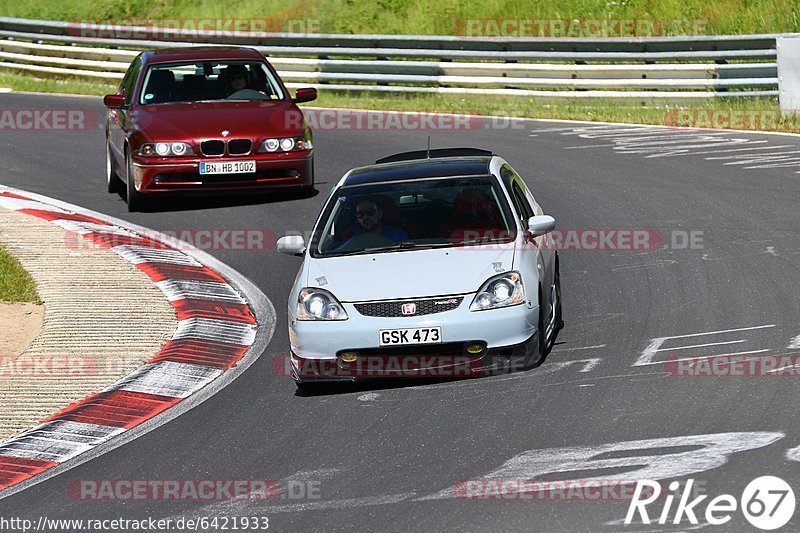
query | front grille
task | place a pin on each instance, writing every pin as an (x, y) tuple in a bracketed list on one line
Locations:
[(395, 308), (212, 147), (239, 146)]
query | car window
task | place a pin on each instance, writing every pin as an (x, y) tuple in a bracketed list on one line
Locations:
[(128, 84), (209, 80), (521, 201), (421, 212)]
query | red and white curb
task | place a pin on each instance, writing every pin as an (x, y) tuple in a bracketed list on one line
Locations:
[(224, 323)]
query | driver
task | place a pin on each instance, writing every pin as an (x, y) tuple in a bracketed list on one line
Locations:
[(236, 77), (370, 220)]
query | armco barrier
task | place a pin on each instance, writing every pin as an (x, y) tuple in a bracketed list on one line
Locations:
[(662, 68)]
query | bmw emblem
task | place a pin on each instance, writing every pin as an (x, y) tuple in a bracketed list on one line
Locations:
[(225, 133)]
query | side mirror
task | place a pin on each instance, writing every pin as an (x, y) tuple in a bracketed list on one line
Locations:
[(305, 94), (114, 101), (541, 224), (291, 245)]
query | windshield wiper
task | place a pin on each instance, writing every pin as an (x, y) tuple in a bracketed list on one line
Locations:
[(398, 246), (405, 245), (482, 241)]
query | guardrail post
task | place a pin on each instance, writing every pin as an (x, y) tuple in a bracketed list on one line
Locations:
[(789, 73)]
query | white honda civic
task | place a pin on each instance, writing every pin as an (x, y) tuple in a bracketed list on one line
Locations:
[(425, 264)]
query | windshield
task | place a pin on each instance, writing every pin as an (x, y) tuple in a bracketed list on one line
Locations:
[(414, 214), (209, 80)]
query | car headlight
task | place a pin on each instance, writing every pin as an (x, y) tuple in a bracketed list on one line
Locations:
[(166, 149), (285, 144), (319, 304), (504, 290)]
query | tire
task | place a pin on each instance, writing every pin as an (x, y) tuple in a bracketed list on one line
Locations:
[(537, 350), (112, 180), (307, 191), (136, 200), (559, 313)]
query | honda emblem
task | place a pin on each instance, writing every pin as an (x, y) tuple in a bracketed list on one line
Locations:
[(409, 308)]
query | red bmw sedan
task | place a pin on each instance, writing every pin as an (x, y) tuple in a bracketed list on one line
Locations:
[(205, 119)]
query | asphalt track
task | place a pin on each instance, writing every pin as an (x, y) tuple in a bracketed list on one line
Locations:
[(383, 457)]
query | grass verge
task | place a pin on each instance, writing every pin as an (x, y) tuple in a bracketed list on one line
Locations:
[(16, 285), (555, 18)]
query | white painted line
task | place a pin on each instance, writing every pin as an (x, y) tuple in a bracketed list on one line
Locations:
[(594, 347), (658, 263), (782, 368), (84, 228), (767, 147), (143, 254), (701, 345), (795, 343), (588, 146), (647, 355), (719, 331), (176, 290), (168, 378), (701, 357), (15, 204), (79, 431), (58, 440), (216, 330), (43, 449)]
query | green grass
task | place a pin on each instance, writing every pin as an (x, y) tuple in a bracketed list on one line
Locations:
[(432, 17), (28, 83), (16, 284), (603, 111)]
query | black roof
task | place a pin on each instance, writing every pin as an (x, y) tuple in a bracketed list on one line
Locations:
[(435, 153), (410, 165)]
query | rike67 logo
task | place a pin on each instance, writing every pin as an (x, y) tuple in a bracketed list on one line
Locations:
[(767, 503)]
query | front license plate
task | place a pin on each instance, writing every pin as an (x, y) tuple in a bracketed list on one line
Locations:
[(228, 167), (391, 337)]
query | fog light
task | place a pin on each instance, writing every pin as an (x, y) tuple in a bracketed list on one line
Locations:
[(475, 348), (349, 357)]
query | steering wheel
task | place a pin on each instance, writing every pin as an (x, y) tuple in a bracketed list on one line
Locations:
[(247, 94)]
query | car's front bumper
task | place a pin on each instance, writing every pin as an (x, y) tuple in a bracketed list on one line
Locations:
[(284, 170), (507, 334)]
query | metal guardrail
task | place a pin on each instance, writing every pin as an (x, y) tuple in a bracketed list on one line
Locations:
[(666, 68)]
